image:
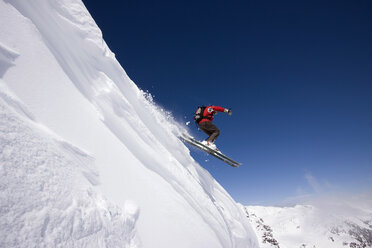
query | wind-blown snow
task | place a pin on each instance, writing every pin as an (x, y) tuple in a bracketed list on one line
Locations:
[(87, 160)]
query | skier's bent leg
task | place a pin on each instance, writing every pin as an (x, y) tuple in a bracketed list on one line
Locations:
[(214, 136), (205, 128), (215, 132), (211, 130)]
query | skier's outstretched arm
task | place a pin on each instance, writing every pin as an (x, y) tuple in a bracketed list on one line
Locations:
[(220, 109)]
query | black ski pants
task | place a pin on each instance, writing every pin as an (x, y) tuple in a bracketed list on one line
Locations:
[(210, 129)]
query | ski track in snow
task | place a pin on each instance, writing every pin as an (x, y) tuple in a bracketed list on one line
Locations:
[(60, 182)]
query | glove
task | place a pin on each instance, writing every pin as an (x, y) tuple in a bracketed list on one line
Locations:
[(228, 111)]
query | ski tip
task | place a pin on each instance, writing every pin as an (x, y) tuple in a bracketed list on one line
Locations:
[(236, 165)]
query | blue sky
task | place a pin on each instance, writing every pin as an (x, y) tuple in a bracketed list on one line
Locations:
[(297, 75)]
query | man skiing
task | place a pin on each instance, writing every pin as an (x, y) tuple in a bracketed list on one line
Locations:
[(204, 117)]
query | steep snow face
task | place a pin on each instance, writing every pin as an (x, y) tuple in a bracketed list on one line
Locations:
[(47, 190), (312, 226), (87, 160)]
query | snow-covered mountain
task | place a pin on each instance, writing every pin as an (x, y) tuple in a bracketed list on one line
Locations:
[(312, 226), (86, 158)]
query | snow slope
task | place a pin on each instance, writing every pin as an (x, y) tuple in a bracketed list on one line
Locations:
[(86, 158), (334, 226)]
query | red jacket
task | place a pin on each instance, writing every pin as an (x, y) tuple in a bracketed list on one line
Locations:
[(210, 111)]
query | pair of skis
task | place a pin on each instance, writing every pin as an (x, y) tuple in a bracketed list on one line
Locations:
[(190, 140)]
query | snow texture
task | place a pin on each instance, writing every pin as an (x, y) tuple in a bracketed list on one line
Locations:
[(86, 158)]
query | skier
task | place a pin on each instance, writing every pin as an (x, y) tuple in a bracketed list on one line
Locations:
[(204, 117)]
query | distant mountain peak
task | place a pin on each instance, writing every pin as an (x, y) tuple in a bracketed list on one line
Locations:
[(309, 226)]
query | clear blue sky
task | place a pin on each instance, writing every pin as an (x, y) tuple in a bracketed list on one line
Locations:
[(297, 75)]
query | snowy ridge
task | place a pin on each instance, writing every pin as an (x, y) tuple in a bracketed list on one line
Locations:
[(7, 57), (86, 158), (312, 226)]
